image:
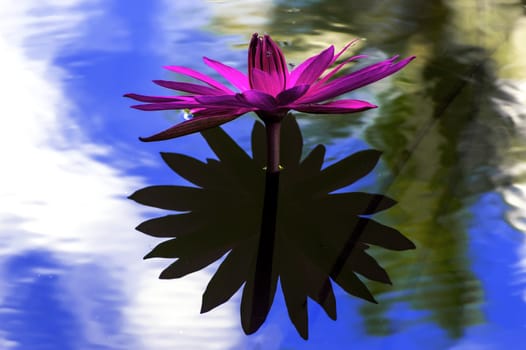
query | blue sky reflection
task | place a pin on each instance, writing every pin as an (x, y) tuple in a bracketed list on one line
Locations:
[(71, 271)]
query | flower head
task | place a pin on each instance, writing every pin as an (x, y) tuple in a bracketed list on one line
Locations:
[(270, 89)]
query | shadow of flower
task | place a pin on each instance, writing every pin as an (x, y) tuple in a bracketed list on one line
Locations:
[(319, 235)]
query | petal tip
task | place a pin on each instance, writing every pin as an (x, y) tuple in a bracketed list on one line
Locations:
[(145, 139)]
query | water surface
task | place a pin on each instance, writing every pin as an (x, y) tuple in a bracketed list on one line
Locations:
[(451, 126)]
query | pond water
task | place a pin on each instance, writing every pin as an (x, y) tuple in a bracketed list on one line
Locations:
[(451, 126)]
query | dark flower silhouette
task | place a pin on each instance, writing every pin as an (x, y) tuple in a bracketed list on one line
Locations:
[(319, 235)]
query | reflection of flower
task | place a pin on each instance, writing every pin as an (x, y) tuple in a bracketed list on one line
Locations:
[(320, 235), (270, 90)]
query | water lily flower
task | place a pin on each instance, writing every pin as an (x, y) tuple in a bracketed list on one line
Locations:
[(270, 89)]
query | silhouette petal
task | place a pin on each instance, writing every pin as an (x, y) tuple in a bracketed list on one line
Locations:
[(319, 288), (290, 132), (178, 198), (301, 279), (355, 166), (353, 285), (314, 160), (357, 203), (367, 266), (190, 168), (187, 265), (233, 158), (296, 301), (258, 140), (229, 277), (175, 225), (385, 237), (166, 249), (255, 305)]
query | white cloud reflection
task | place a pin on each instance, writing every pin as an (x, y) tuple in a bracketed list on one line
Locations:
[(58, 198), (514, 167), (513, 83)]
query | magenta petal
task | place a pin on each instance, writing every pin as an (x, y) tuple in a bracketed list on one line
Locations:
[(343, 50), (311, 69), (145, 98), (234, 76), (335, 107), (337, 68), (264, 82), (356, 80), (260, 100), (316, 67), (189, 87), (199, 76), (296, 72), (264, 55), (189, 127), (214, 112), (276, 64), (166, 106), (290, 95), (223, 101), (254, 49)]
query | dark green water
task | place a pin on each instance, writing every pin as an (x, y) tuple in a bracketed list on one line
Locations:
[(451, 126)]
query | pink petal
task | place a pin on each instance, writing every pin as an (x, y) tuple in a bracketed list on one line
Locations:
[(290, 95), (338, 67), (145, 98), (335, 107), (254, 49), (189, 127), (264, 55), (223, 101), (259, 100), (274, 62), (216, 111), (234, 76), (343, 50), (264, 82), (356, 80), (189, 87), (311, 69), (199, 76), (165, 106)]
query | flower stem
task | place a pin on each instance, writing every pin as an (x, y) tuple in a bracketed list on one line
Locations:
[(273, 129), (265, 277)]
